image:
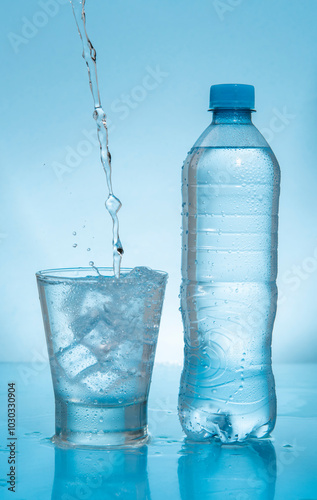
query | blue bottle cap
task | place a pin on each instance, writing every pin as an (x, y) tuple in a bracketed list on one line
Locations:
[(231, 95)]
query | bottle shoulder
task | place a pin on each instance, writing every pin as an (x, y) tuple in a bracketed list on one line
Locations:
[(231, 135), (231, 165)]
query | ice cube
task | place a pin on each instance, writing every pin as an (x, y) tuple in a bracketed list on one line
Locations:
[(117, 386), (122, 375), (102, 382), (84, 324), (127, 357), (123, 314), (128, 351), (148, 289), (133, 309), (145, 275), (101, 340), (75, 359), (94, 302), (84, 307), (91, 312), (62, 336)]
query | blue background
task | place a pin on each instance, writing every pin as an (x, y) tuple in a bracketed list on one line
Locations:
[(46, 110)]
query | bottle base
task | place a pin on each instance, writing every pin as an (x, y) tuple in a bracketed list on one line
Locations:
[(202, 426)]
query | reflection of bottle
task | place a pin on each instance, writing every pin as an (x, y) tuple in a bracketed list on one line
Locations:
[(101, 475), (229, 265), (236, 472)]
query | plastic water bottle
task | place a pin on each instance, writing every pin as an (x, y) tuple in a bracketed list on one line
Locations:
[(230, 185)]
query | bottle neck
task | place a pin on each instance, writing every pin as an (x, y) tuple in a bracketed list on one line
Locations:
[(232, 116)]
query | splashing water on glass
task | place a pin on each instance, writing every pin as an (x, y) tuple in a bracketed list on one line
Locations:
[(113, 204)]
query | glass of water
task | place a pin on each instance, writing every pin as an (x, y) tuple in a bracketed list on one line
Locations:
[(101, 335)]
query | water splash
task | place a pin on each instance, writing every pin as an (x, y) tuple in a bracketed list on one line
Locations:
[(113, 204)]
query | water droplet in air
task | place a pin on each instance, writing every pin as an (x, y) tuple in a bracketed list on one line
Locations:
[(74, 233), (91, 263), (88, 249), (75, 245)]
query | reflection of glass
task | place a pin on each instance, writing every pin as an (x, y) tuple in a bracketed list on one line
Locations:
[(101, 475), (235, 472), (101, 334)]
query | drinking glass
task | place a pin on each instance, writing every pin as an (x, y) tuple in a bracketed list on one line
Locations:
[(101, 334)]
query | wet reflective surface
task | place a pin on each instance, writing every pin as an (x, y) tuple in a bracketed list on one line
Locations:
[(243, 471), (169, 466), (100, 475)]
